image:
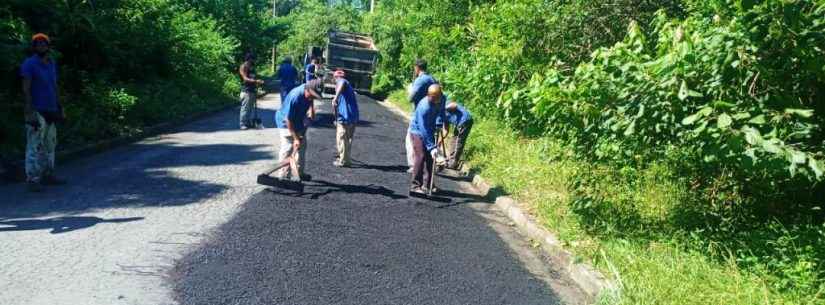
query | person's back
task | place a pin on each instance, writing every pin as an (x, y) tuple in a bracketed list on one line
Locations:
[(288, 75)]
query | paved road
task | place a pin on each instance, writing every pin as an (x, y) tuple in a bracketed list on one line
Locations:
[(179, 219)]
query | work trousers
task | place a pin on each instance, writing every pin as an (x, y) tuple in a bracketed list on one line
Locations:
[(286, 150), (343, 139), (40, 146), (249, 109), (422, 163), (408, 146), (462, 132)]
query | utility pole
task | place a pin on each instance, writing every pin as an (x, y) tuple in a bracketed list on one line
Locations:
[(274, 45)]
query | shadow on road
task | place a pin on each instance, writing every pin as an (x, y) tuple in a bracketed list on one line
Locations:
[(329, 188), (383, 168), (60, 224)]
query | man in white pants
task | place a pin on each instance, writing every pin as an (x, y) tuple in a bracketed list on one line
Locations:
[(292, 122)]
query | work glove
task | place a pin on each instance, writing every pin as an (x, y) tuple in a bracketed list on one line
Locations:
[(434, 153)]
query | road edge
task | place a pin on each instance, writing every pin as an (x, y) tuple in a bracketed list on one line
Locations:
[(588, 278)]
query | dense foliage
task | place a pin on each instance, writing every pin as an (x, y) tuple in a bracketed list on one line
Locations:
[(717, 103), (310, 22), (126, 64)]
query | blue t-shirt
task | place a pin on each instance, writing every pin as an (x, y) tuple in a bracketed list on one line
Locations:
[(44, 83), (294, 107), (457, 118), (423, 120), (347, 103), (420, 87), (310, 72), (288, 76)]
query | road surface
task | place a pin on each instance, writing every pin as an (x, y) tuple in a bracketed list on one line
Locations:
[(179, 219)]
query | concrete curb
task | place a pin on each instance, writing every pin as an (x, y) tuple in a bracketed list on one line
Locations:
[(590, 280)]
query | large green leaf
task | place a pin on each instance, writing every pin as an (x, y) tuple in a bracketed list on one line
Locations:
[(724, 121)]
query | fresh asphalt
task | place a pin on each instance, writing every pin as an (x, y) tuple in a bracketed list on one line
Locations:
[(179, 219), (353, 237)]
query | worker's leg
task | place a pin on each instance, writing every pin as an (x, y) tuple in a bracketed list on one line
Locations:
[(301, 155), (410, 151), (418, 161), (426, 174), (35, 157), (253, 100), (350, 128), (49, 147), (246, 109), (340, 134), (459, 139), (284, 151)]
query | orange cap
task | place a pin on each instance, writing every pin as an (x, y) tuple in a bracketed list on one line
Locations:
[(41, 37)]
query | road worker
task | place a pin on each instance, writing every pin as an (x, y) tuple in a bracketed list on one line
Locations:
[(423, 131), (345, 106)]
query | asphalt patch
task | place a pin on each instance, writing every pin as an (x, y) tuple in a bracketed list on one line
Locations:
[(354, 237)]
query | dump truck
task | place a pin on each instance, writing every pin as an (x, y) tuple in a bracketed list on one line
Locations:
[(354, 53)]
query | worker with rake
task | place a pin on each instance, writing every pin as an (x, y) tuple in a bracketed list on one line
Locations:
[(423, 135)]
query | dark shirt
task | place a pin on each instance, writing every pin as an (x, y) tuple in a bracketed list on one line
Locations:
[(43, 78), (288, 76)]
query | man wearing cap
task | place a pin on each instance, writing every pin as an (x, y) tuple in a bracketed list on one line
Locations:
[(249, 93), (288, 76), (422, 130), (459, 117), (346, 117), (42, 112), (292, 121), (418, 90)]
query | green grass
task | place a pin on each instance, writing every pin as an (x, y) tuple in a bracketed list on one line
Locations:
[(626, 222)]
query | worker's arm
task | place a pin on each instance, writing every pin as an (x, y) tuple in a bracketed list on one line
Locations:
[(296, 139), (338, 88), (28, 110), (246, 78), (416, 86)]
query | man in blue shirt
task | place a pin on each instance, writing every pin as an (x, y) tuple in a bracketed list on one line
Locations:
[(345, 106), (288, 76), (310, 70), (422, 131), (422, 82), (292, 122), (459, 117), (42, 111), (418, 90)]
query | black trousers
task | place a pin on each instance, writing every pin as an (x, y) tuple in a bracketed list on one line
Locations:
[(462, 132)]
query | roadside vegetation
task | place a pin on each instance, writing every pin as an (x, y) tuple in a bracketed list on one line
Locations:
[(676, 145), (125, 65)]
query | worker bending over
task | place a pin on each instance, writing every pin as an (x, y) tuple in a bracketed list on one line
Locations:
[(422, 130), (345, 106), (459, 117), (292, 122)]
